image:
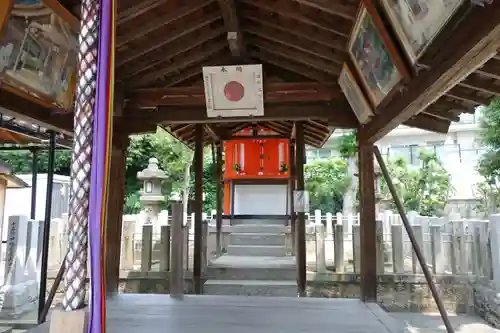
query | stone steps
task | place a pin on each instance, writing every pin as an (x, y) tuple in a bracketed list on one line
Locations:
[(251, 288), (260, 228), (257, 250), (270, 274), (257, 239), (258, 222)]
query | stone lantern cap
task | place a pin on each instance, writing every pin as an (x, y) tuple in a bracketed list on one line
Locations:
[(152, 171)]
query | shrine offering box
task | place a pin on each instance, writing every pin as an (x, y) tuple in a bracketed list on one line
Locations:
[(38, 51)]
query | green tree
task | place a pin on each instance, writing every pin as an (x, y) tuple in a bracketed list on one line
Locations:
[(425, 189), (326, 181), (488, 192), (347, 147)]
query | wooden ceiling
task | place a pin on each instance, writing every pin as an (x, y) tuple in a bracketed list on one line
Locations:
[(162, 46)]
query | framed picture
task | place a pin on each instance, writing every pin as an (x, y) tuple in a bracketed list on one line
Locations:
[(354, 95), (376, 66), (38, 51), (418, 22)]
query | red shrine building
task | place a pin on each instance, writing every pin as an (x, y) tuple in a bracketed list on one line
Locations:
[(256, 174)]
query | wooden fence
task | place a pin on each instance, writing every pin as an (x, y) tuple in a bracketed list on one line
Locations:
[(450, 246)]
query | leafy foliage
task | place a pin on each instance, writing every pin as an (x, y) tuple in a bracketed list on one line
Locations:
[(326, 180), (346, 145), (425, 189), (488, 192)]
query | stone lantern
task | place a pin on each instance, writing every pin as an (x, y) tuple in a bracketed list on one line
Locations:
[(151, 195)]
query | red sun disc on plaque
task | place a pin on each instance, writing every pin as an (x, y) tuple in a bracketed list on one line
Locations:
[(234, 91)]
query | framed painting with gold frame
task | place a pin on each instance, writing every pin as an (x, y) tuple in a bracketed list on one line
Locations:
[(38, 46), (418, 22), (374, 56), (354, 95)]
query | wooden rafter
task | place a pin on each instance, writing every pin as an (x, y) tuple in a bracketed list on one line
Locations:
[(321, 64), (302, 31), (138, 9), (299, 44), (484, 85), (340, 115), (468, 95), (193, 56), (473, 42), (232, 25), (151, 45), (174, 49), (192, 71), (332, 7), (428, 123), (291, 65), (273, 93), (292, 10), (490, 69), (161, 21)]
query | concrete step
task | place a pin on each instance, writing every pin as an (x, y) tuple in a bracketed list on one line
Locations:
[(256, 250), (260, 228), (257, 239), (251, 288), (269, 274), (241, 221)]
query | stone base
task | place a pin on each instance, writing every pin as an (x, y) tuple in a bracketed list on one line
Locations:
[(69, 321), (19, 299)]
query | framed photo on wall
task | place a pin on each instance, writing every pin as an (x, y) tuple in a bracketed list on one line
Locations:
[(377, 67), (354, 95), (418, 22)]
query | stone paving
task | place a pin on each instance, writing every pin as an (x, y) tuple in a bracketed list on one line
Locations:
[(432, 323)]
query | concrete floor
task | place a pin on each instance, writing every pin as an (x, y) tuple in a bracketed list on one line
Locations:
[(414, 323), (432, 323)]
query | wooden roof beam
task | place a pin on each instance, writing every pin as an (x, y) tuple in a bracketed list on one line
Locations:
[(136, 10), (326, 66), (193, 70), (291, 10), (338, 113), (160, 21), (428, 123), (232, 24), (301, 31), (289, 41), (490, 69), (479, 84), (273, 92), (159, 56), (290, 65), (126, 56), (468, 95), (193, 56), (346, 11), (473, 42)]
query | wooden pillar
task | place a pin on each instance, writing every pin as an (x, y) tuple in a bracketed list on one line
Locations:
[(291, 185), (115, 201), (218, 197), (198, 208), (368, 269), (300, 155)]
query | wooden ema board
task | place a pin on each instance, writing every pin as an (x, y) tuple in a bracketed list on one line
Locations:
[(38, 45)]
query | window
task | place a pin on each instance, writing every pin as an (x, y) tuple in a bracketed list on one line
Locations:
[(324, 153)]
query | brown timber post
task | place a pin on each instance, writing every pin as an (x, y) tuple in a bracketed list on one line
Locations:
[(198, 208), (292, 188), (218, 198), (115, 201), (367, 223), (300, 155)]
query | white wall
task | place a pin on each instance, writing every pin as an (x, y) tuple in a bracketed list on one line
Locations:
[(18, 201)]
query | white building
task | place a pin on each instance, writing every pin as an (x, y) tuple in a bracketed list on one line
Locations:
[(459, 150)]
